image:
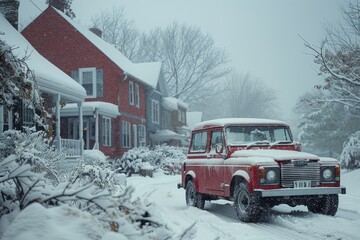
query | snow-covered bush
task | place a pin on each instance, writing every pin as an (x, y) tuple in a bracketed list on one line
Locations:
[(166, 158), (23, 171), (350, 156), (28, 170)]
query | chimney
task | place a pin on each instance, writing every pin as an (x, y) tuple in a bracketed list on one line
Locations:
[(10, 10), (96, 31), (58, 4)]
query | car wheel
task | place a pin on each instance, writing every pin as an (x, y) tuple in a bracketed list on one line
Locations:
[(327, 205), (247, 206), (193, 198)]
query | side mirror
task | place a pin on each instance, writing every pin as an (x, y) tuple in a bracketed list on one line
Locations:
[(219, 148)]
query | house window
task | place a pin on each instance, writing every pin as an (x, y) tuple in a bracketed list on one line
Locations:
[(155, 111), (91, 79), (106, 131), (125, 134), (137, 95), (142, 135), (131, 93), (5, 119), (73, 128), (27, 116), (181, 116)]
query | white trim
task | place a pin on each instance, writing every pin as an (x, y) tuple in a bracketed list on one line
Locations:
[(137, 95), (142, 135), (125, 125), (135, 134), (93, 71), (1, 119), (131, 93), (155, 109), (106, 132)]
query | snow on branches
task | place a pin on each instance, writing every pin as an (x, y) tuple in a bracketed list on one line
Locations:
[(28, 175), (350, 156), (17, 79)]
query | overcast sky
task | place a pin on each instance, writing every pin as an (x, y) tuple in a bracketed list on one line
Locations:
[(261, 36)]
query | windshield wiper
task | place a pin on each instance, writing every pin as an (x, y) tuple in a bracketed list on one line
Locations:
[(257, 143), (279, 143)]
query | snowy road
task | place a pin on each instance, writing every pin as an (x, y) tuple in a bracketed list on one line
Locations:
[(219, 221)]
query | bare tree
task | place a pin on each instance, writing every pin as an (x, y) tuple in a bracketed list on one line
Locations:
[(191, 60), (240, 96), (249, 97), (119, 31)]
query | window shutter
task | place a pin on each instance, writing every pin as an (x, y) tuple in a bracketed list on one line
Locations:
[(75, 75), (99, 83)]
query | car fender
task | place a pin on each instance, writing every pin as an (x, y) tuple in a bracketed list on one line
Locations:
[(243, 174), (193, 176)]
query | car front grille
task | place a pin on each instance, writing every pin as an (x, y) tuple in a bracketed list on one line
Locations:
[(291, 171)]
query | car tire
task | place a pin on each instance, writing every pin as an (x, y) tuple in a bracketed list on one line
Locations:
[(248, 207), (327, 205), (193, 198)]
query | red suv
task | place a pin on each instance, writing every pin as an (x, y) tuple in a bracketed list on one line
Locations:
[(256, 164)]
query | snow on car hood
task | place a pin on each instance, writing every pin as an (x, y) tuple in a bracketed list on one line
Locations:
[(274, 154)]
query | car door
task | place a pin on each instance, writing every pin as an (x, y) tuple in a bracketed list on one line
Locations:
[(197, 158), (214, 170)]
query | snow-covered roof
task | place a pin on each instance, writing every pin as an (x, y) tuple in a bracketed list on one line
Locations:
[(173, 104), (147, 73), (166, 135), (234, 121), (103, 108), (48, 77), (192, 118)]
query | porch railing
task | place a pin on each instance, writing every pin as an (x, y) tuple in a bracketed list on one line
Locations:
[(71, 147)]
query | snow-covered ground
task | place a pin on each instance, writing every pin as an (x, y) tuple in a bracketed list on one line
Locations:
[(219, 221)]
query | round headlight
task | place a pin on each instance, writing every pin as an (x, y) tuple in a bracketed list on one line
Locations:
[(270, 175), (327, 174)]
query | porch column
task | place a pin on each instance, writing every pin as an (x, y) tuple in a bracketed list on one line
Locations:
[(57, 122), (2, 119), (96, 146), (81, 128)]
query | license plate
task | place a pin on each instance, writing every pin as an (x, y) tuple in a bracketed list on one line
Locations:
[(302, 184)]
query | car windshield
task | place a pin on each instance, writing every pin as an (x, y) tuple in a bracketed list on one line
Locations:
[(244, 135)]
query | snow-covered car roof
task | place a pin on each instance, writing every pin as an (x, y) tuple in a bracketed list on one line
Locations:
[(237, 121)]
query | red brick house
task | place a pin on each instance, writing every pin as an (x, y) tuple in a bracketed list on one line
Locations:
[(114, 111)]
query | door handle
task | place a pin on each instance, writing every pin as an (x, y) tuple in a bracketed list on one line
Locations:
[(208, 156)]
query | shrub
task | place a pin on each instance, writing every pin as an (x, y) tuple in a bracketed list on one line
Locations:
[(161, 157), (350, 156)]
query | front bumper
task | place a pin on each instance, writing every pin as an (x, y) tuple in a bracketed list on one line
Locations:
[(289, 192)]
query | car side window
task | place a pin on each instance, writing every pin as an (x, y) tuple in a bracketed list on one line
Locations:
[(216, 137), (198, 143)]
